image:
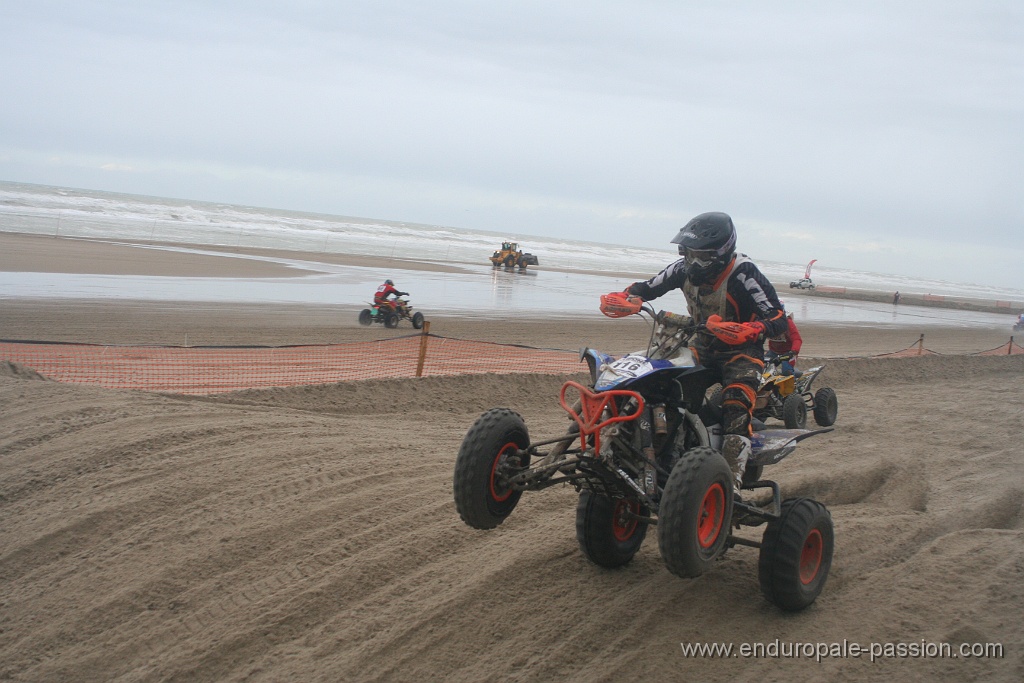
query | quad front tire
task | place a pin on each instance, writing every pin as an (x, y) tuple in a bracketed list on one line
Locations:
[(608, 530), (796, 554), (826, 407), (365, 317), (417, 320), (492, 451), (391, 321), (695, 513)]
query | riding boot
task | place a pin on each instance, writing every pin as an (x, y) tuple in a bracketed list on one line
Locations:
[(736, 450)]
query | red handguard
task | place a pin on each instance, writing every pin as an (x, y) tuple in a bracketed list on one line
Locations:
[(734, 334), (620, 304)]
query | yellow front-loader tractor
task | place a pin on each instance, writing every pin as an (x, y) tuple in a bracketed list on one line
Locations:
[(510, 256)]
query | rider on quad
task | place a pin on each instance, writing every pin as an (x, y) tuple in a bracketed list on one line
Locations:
[(380, 298), (786, 347), (727, 292)]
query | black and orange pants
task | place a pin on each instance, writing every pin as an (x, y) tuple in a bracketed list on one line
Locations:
[(739, 369)]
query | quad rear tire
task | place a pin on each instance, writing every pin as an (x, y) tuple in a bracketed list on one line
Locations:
[(365, 317), (607, 530), (796, 554), (490, 452), (826, 406), (417, 320), (794, 411), (696, 512), (391, 321)]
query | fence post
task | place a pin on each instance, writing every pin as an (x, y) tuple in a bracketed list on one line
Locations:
[(1009, 347), (920, 345), (423, 348)]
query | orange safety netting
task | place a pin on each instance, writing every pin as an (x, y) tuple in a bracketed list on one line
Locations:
[(210, 370), (1010, 348)]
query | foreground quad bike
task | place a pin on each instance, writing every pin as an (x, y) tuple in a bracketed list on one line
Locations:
[(391, 314), (643, 449), (789, 398)]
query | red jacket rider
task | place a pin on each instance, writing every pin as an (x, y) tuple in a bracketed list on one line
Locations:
[(789, 342), (386, 290), (380, 298)]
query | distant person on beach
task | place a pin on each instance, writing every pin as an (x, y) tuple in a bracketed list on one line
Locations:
[(380, 298), (895, 298), (726, 291), (787, 346)]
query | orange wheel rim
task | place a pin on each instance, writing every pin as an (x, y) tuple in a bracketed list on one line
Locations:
[(623, 521), (810, 556), (711, 516), (503, 495)]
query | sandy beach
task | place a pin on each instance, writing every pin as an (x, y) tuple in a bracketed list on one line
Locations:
[(309, 533)]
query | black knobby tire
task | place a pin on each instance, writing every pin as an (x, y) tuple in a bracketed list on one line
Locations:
[(796, 554), (391, 320), (794, 411), (417, 320), (490, 447), (695, 512), (607, 529), (365, 317), (826, 406), (510, 261)]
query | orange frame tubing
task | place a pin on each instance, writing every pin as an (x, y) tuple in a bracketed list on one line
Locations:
[(592, 406)]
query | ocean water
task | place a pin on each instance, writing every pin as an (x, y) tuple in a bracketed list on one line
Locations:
[(480, 289)]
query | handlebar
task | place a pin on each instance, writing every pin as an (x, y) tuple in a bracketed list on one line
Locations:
[(675, 320)]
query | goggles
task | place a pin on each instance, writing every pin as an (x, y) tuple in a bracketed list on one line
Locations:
[(702, 258)]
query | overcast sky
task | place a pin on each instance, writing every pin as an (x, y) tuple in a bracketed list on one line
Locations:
[(884, 136)]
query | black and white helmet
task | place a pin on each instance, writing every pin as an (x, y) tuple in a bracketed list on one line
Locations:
[(707, 243)]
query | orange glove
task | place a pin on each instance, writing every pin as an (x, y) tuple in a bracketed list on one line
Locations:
[(734, 334), (620, 304)]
